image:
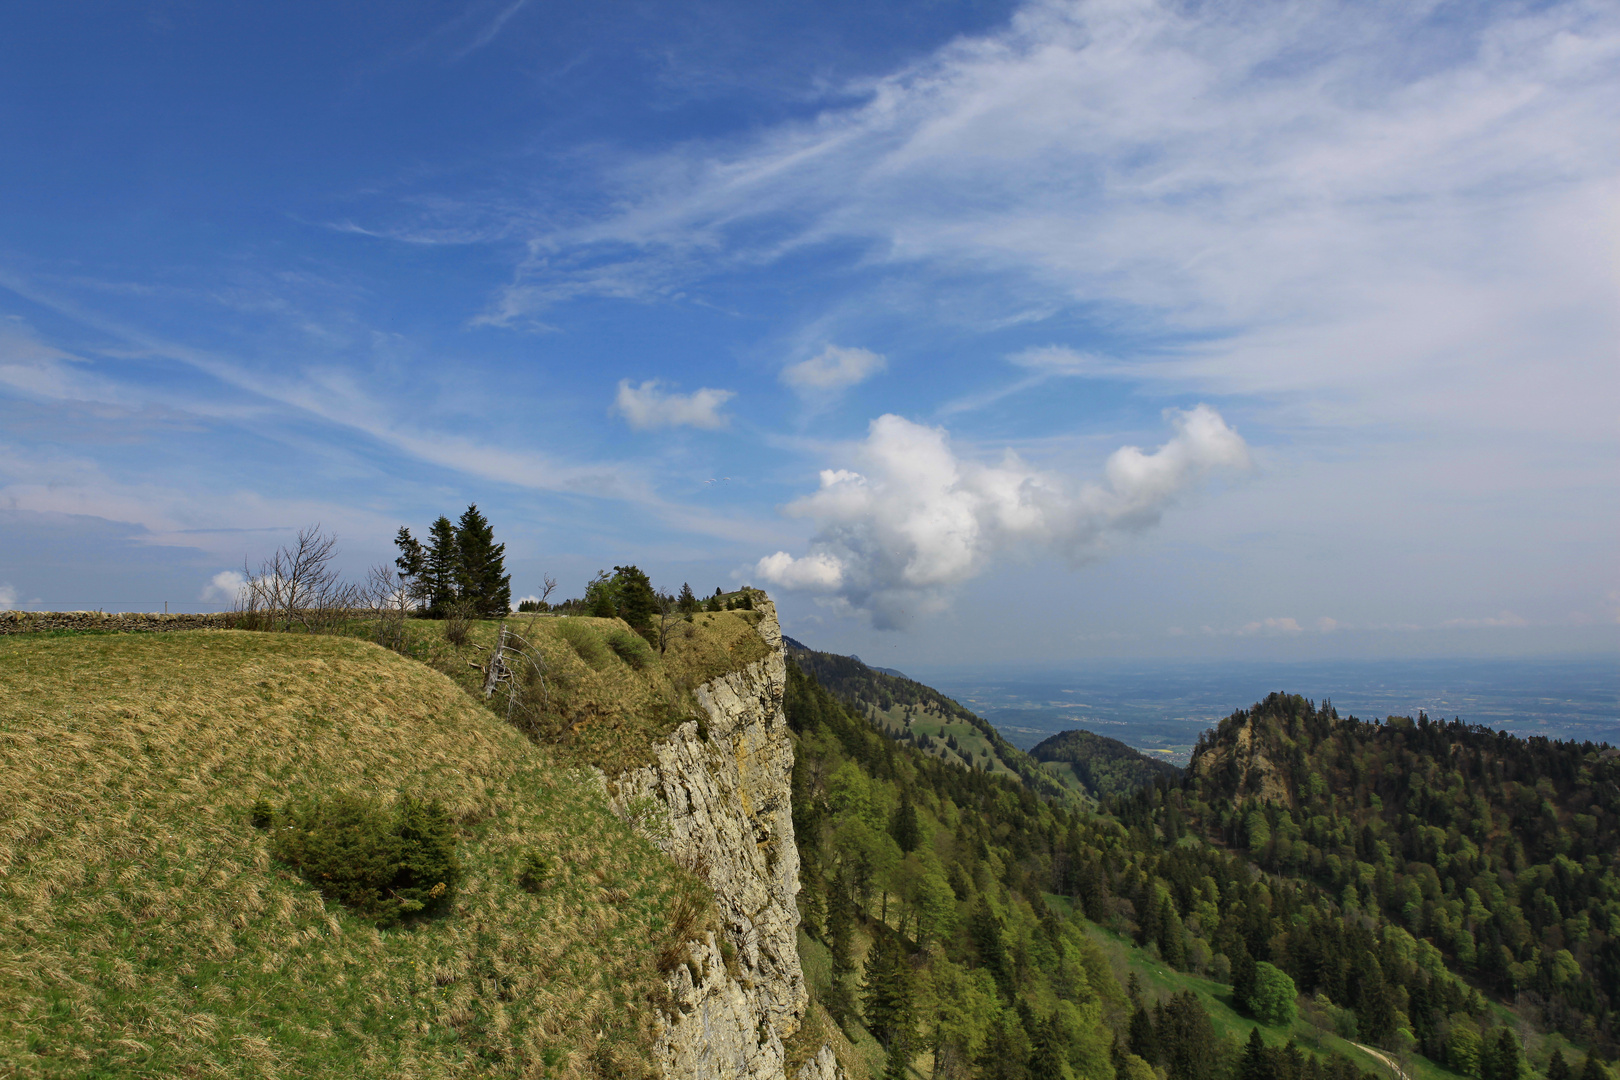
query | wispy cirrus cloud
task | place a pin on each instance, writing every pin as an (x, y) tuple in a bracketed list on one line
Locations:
[(1296, 198)]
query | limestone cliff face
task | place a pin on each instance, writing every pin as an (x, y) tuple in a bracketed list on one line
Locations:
[(723, 809)]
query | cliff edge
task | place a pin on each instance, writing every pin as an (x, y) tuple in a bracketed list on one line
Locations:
[(717, 798)]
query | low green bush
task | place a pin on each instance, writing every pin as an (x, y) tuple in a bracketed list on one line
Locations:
[(631, 648), (534, 870), (385, 863)]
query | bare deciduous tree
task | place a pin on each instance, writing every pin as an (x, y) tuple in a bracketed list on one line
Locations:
[(388, 596), (298, 585)]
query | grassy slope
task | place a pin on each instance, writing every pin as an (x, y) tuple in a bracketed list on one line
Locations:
[(144, 931)]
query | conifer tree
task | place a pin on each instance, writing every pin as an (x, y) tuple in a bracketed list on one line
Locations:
[(887, 990), (636, 600), (1256, 1063), (1144, 1041), (1243, 970), (688, 601), (896, 1060), (443, 555), (904, 827), (840, 930), (412, 564), (1006, 1050), (985, 929), (1557, 1067), (481, 566), (1047, 1058)]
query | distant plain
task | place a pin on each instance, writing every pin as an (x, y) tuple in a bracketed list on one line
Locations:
[(1162, 708)]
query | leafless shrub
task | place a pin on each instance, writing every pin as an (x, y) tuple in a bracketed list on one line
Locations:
[(390, 603), (298, 586), (457, 620)]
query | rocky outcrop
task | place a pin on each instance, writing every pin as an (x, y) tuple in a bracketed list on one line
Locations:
[(718, 800), (1238, 757)]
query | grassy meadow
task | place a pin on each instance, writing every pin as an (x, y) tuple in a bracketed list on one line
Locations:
[(145, 930)]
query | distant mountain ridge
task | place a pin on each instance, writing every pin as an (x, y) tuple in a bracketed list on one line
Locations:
[(1105, 767), (906, 709)]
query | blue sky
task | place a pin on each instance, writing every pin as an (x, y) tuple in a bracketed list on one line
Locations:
[(976, 331)]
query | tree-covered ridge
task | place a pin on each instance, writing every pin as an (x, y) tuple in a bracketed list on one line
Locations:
[(1104, 766), (1495, 855), (866, 688), (929, 885)]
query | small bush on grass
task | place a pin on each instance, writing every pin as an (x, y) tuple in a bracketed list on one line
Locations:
[(457, 621), (534, 870), (384, 863)]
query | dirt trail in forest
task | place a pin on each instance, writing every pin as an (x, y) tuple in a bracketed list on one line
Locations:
[(1400, 1073)]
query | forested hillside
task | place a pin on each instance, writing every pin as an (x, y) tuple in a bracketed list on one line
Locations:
[(1103, 766), (940, 908), (1494, 855), (919, 714)]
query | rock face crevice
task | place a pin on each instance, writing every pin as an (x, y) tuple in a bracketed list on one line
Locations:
[(723, 809)]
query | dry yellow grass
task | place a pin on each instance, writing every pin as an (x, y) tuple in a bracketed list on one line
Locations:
[(144, 930)]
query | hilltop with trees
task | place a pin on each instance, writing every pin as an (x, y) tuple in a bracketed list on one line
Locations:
[(460, 567), (1101, 765)]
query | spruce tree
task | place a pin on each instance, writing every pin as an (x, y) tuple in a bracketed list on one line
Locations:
[(412, 564), (896, 1060), (903, 826), (1047, 1058), (481, 566), (1557, 1067), (688, 602), (840, 931), (443, 555), (887, 989), (637, 601), (985, 930), (1256, 1063), (1005, 1055), (1144, 1041)]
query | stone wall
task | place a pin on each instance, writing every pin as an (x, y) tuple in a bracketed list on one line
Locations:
[(27, 622), (724, 810)]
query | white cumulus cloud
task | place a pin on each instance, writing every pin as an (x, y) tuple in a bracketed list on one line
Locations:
[(225, 587), (834, 368), (651, 406), (8, 598), (894, 538)]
